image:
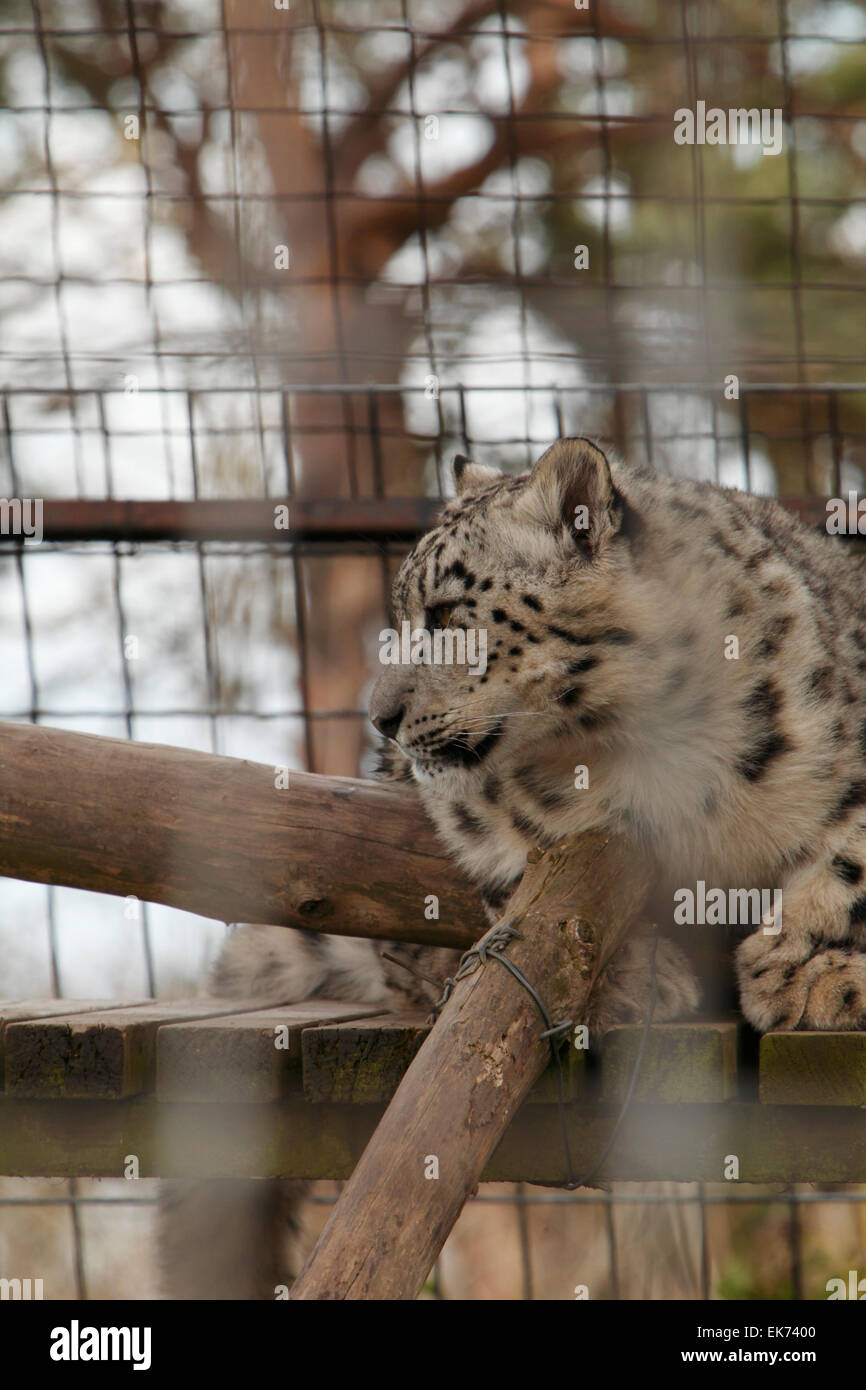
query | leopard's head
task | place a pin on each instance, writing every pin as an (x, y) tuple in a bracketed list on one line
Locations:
[(528, 569)]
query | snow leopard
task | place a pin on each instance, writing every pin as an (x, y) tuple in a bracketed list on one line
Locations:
[(698, 654)]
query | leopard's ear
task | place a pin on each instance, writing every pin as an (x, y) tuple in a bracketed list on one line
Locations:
[(572, 484), (469, 476)]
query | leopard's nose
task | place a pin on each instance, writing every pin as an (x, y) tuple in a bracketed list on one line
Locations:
[(387, 721)]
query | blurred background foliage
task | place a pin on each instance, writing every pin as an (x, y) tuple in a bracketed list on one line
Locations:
[(450, 257)]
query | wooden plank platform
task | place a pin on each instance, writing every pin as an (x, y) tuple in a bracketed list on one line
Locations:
[(683, 1063), (17, 1011), (813, 1069), (102, 1054), (253, 1057), (217, 1087)]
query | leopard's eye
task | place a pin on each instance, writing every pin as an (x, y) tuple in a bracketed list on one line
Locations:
[(439, 615)]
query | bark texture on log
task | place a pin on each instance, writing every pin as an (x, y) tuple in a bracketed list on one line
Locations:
[(214, 835), (571, 910)]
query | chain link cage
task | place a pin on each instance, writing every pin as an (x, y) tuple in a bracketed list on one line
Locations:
[(311, 249)]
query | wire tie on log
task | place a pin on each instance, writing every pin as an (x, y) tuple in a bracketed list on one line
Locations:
[(490, 947)]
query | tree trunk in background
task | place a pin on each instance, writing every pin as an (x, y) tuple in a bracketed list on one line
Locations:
[(342, 245)]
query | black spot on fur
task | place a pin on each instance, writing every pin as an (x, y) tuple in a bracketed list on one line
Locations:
[(719, 541), (492, 788), (853, 795), (586, 663), (737, 606), (489, 741), (526, 826), (774, 635), (754, 764), (567, 636), (466, 820), (531, 603), (848, 871), (459, 570), (595, 718), (857, 911), (763, 700), (495, 898), (821, 682), (763, 703), (759, 556), (456, 753)]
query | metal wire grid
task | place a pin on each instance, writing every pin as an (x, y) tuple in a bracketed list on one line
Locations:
[(522, 1197), (627, 407), (822, 424), (133, 24)]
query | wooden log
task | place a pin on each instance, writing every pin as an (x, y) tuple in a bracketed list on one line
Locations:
[(215, 836), (472, 1073), (363, 519)]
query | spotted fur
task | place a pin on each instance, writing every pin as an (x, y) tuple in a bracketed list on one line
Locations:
[(610, 648)]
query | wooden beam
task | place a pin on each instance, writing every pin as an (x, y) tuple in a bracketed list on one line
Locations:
[(215, 836), (400, 520), (472, 1073), (374, 519), (293, 1139)]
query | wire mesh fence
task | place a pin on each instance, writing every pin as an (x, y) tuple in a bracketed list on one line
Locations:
[(306, 252)]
